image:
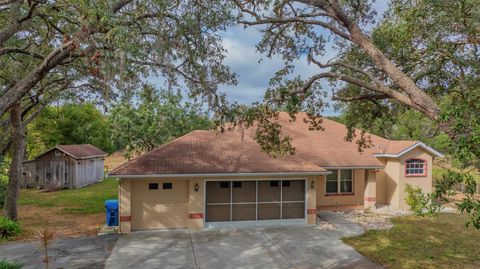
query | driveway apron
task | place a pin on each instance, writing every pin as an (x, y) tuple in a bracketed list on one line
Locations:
[(267, 247)]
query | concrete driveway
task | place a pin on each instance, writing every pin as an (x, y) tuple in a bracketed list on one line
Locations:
[(273, 247), (86, 252)]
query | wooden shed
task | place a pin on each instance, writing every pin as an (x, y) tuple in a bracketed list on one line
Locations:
[(65, 166)]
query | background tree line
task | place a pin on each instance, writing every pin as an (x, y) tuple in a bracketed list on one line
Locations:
[(149, 119)]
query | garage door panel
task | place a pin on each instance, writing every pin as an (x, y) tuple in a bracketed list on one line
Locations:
[(218, 192), (268, 211), (244, 191), (293, 210), (293, 190), (269, 191), (244, 212), (217, 213), (159, 208)]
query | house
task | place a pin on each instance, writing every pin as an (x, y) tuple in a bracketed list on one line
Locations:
[(209, 179), (65, 166)]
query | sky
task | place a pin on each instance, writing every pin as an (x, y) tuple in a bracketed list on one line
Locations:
[(253, 76)]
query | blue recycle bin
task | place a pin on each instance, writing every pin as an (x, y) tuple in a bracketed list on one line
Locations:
[(111, 207)]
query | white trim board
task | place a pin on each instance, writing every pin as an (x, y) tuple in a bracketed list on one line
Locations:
[(418, 144), (219, 175)]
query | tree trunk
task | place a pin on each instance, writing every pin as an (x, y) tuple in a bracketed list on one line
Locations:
[(18, 137)]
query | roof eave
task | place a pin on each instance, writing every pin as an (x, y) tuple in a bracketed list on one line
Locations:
[(418, 144), (143, 176), (90, 157), (353, 167)]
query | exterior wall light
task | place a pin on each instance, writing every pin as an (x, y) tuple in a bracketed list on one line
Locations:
[(197, 187), (312, 184)]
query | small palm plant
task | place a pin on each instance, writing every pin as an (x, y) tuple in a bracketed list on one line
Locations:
[(44, 236)]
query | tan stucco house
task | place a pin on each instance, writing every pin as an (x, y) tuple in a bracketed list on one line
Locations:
[(209, 179)]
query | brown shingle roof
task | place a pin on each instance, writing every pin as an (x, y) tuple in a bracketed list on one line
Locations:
[(396, 146), (328, 148), (210, 152), (81, 151)]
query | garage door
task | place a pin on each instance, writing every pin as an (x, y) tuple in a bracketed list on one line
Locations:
[(254, 200), (159, 204)]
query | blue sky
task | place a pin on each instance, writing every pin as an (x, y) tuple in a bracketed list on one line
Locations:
[(253, 76)]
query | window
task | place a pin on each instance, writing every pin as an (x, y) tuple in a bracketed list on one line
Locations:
[(415, 167), (346, 181), (332, 182), (224, 184), (153, 186), (237, 184), (286, 183), (167, 186), (339, 181)]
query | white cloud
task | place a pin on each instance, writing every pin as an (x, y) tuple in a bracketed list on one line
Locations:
[(253, 76)]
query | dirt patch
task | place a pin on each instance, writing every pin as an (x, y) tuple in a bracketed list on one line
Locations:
[(34, 219)]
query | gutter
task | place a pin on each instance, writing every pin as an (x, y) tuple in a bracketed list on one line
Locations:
[(219, 175)]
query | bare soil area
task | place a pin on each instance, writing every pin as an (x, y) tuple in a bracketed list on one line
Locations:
[(34, 219)]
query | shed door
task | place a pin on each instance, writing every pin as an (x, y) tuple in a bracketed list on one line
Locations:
[(158, 204)]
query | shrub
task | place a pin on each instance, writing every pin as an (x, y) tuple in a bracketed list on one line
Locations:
[(421, 204), (10, 265), (8, 228)]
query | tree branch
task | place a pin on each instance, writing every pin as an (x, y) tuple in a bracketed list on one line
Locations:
[(361, 97), (379, 88), (4, 51)]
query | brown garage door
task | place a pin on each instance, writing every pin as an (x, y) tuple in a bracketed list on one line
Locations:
[(159, 204), (254, 200)]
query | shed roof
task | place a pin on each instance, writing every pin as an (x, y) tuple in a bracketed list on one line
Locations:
[(81, 151)]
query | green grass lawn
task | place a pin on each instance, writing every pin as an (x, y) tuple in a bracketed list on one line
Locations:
[(87, 200), (413, 242)]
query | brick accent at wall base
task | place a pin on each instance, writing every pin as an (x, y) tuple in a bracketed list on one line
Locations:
[(125, 218), (195, 216), (311, 211), (370, 199)]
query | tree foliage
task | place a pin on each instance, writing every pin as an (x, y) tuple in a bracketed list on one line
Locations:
[(152, 118), (422, 56), (98, 50), (69, 124)]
